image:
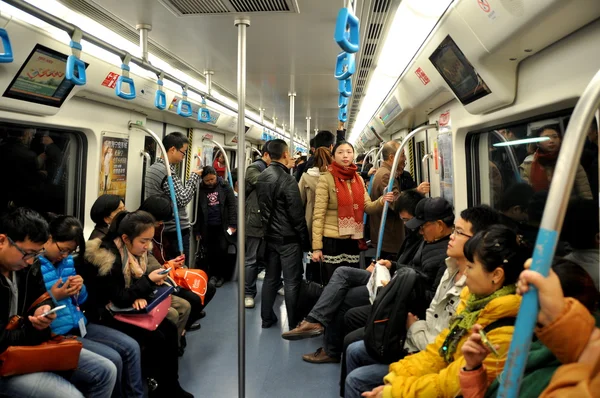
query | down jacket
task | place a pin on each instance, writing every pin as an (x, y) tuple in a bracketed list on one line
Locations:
[(426, 374), (281, 207), (227, 207), (308, 192), (325, 215), (581, 186), (67, 318)]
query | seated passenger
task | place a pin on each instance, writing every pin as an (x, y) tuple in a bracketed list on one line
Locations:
[(121, 259), (23, 233), (541, 362), (495, 262), (104, 209), (67, 288), (364, 372)]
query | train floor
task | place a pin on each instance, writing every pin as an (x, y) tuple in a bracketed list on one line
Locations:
[(274, 366)]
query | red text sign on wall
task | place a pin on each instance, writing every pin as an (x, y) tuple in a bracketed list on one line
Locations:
[(422, 76), (111, 80), (444, 119)]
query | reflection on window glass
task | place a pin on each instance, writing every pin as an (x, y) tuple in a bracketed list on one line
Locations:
[(40, 169)]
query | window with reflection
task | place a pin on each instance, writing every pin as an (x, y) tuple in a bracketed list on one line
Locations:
[(42, 169)]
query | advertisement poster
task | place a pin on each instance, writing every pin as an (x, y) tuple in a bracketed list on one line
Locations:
[(447, 178), (113, 164)]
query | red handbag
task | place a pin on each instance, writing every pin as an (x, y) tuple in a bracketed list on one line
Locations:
[(150, 320)]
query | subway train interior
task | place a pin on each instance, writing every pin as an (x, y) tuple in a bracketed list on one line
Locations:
[(470, 104)]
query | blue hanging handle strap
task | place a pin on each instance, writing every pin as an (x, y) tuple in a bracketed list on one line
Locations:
[(347, 31), (345, 87), (75, 72), (124, 78), (184, 107), (345, 66), (342, 101), (343, 115), (7, 56), (175, 213), (203, 112), (160, 98)]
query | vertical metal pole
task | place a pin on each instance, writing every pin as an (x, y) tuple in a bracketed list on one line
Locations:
[(144, 29), (208, 76), (316, 131), (242, 24), (292, 129), (262, 115), (308, 134)]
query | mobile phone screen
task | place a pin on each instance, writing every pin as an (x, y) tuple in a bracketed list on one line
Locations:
[(60, 307)]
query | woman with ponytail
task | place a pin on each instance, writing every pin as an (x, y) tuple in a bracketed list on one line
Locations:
[(121, 259), (340, 203)]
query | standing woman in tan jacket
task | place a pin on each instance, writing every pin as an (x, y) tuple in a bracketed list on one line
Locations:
[(340, 204)]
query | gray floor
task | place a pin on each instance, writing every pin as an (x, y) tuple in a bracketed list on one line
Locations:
[(274, 367)]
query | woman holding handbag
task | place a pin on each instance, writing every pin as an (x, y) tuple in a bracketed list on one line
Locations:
[(340, 203), (68, 289), (121, 258)]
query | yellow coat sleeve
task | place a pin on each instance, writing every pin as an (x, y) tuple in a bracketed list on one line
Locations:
[(321, 202)]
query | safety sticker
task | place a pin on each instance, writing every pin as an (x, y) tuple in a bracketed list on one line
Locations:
[(484, 5), (111, 80), (422, 76)]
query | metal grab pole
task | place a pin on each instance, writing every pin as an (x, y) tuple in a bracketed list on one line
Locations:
[(511, 155), (552, 221), (242, 24), (308, 135), (292, 123), (390, 186), (227, 166), (365, 159), (423, 163), (169, 180)]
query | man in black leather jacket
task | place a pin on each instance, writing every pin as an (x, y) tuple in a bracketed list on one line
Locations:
[(286, 233)]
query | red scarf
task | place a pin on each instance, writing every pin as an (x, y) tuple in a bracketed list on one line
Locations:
[(351, 205), (538, 175)]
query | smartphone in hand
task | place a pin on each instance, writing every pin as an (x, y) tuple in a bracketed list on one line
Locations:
[(53, 310), (166, 271)]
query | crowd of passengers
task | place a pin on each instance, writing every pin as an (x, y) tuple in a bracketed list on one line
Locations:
[(448, 278)]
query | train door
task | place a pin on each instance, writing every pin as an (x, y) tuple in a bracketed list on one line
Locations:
[(427, 160)]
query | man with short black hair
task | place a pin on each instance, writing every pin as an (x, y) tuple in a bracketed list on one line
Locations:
[(282, 215), (23, 233), (325, 139), (176, 144)]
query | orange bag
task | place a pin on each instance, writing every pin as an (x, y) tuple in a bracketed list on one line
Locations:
[(195, 280)]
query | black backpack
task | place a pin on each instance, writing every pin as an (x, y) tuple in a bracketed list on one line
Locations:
[(385, 332)]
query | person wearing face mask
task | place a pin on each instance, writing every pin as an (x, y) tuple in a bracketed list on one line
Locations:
[(121, 260), (216, 224), (67, 288), (537, 169), (104, 209), (340, 203)]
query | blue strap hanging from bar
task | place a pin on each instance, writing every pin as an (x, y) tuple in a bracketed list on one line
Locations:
[(203, 113), (75, 72), (345, 66), (7, 56), (184, 107), (343, 115), (160, 98), (124, 78), (342, 101), (345, 87), (347, 31)]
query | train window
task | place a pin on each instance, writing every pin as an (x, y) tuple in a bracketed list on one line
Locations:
[(519, 160), (42, 169)]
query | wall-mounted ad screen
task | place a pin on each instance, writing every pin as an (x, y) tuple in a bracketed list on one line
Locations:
[(390, 111), (41, 79), (458, 72)]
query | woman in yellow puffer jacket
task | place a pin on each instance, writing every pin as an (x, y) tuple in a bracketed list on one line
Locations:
[(496, 259)]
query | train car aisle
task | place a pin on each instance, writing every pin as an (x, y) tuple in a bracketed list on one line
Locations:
[(274, 366)]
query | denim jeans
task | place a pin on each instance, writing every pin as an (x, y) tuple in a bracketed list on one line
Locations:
[(94, 377), (364, 372), (251, 265), (127, 360)]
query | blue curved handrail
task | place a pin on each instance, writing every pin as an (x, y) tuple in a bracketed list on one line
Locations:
[(7, 56), (342, 101), (345, 87), (345, 66), (343, 115), (347, 31), (203, 113), (160, 98), (75, 64), (184, 103), (120, 92)]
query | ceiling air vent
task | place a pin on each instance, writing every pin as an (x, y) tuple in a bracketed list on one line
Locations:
[(381, 5), (188, 8), (374, 31)]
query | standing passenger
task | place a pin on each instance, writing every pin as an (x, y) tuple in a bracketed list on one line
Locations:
[(176, 144), (286, 233)]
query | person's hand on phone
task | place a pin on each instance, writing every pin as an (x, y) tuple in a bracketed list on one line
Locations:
[(177, 262), (474, 350), (62, 290), (42, 322), (156, 277), (410, 320), (76, 282), (140, 304), (232, 229)]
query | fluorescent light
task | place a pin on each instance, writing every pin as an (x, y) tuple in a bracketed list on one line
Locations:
[(523, 141)]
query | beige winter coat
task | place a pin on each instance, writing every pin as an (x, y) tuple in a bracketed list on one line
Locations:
[(308, 191), (325, 215)]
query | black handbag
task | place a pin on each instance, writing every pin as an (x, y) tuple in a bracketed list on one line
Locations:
[(310, 291)]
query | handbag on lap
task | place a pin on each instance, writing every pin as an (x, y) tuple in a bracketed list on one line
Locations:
[(149, 317)]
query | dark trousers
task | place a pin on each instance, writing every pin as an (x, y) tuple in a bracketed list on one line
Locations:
[(217, 262), (195, 302), (286, 258), (352, 337), (251, 265), (172, 247)]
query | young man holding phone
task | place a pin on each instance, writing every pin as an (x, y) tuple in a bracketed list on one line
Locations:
[(23, 233)]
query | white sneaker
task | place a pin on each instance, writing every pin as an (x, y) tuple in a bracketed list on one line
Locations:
[(281, 292), (249, 302), (261, 276)]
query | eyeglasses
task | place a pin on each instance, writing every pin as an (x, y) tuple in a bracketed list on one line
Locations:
[(459, 233), (183, 153), (66, 251), (26, 255)]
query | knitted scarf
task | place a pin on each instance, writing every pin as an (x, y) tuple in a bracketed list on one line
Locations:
[(538, 176), (351, 204), (461, 324), (133, 267)]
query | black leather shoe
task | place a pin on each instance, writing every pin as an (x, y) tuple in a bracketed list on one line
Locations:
[(202, 314), (194, 327), (269, 323)]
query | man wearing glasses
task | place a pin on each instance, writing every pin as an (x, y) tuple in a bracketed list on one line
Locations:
[(176, 144)]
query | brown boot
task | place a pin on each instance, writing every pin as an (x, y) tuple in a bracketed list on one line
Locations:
[(319, 356), (303, 331)]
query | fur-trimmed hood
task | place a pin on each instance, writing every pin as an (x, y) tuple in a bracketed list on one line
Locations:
[(100, 257)]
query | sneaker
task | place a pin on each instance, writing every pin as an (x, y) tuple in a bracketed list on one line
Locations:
[(261, 276), (249, 302)]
